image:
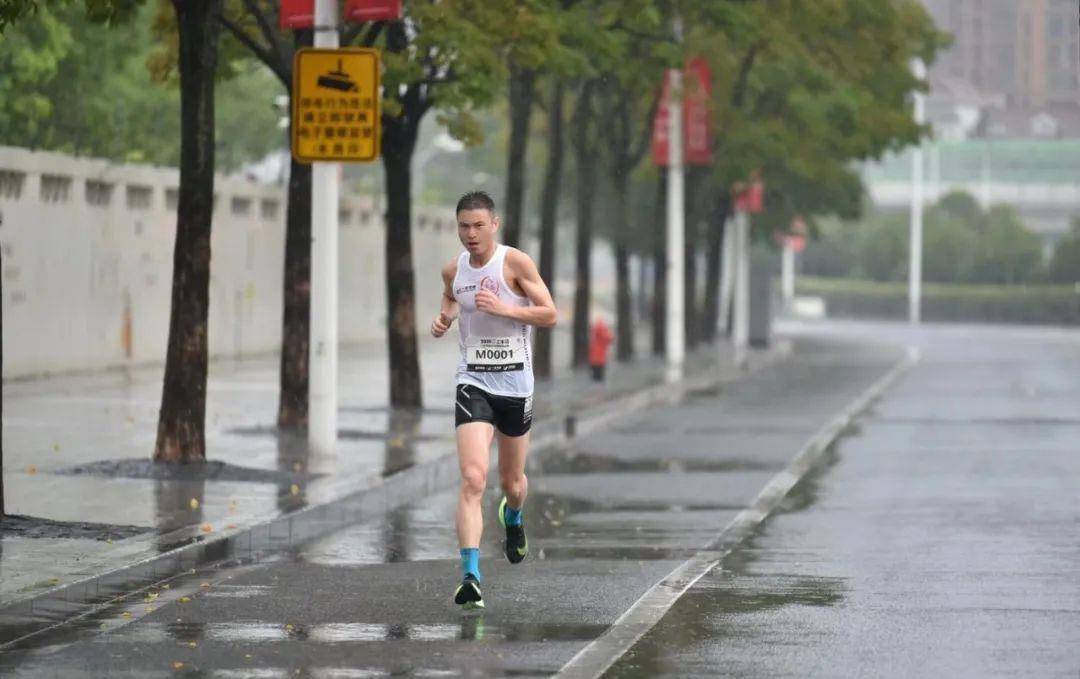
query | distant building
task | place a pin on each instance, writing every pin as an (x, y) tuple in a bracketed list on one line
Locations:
[(1013, 69)]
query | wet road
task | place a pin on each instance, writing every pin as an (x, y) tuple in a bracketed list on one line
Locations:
[(942, 540)]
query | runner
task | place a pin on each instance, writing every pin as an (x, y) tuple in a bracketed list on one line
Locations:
[(500, 295)]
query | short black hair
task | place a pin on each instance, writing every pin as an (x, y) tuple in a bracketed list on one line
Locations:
[(476, 200)]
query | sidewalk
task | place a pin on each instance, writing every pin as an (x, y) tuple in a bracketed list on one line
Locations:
[(89, 423)]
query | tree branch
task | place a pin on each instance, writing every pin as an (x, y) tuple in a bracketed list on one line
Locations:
[(263, 53), (645, 135), (373, 32), (268, 32)]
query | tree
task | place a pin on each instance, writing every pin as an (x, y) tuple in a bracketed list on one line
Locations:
[(438, 57), (628, 112), (1065, 263), (181, 435), (822, 84), (1005, 251), (549, 213)]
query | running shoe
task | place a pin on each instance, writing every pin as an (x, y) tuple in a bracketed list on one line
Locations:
[(468, 594), (516, 545)]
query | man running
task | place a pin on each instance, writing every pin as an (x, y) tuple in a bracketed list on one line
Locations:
[(500, 295)]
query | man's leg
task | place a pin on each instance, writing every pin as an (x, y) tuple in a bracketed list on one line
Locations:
[(473, 444), (512, 453)]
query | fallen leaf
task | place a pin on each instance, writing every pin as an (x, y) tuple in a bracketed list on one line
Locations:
[(194, 503), (184, 599), (204, 585), (31, 469), (207, 528), (288, 628), (108, 541), (177, 665), (294, 489), (247, 656), (150, 596), (149, 609), (165, 586), (56, 447), (297, 467), (191, 644), (126, 614), (230, 526)]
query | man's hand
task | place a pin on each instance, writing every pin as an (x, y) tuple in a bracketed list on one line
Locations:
[(489, 302), (441, 324)]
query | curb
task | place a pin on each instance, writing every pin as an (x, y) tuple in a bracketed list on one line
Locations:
[(599, 655), (41, 611)]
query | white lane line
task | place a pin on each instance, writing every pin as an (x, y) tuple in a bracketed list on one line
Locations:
[(601, 653)]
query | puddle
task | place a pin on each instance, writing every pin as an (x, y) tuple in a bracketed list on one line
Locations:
[(36, 527), (210, 470)]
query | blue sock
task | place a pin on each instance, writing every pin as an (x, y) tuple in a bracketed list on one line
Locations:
[(512, 516), (470, 562)]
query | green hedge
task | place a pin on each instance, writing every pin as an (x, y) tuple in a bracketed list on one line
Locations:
[(1033, 304)]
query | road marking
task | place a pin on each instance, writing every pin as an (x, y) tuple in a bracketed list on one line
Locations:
[(601, 653)]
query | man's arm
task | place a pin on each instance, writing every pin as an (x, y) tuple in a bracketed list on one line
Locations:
[(542, 313), (448, 306)]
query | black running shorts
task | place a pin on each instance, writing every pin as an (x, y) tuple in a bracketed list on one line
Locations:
[(511, 415)]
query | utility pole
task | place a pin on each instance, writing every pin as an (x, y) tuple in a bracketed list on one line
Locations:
[(740, 333), (675, 340), (323, 356), (915, 268)]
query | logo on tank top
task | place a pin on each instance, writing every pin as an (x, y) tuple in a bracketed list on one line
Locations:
[(490, 284)]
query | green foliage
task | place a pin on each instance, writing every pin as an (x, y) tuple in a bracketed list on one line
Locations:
[(82, 87), (961, 244), (111, 12), (1065, 265), (805, 88)]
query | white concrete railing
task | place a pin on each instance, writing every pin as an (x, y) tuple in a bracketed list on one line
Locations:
[(87, 263)]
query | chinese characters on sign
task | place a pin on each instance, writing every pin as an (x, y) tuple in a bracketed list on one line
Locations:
[(335, 105)]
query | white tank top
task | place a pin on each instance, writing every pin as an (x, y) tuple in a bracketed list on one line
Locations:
[(496, 355)]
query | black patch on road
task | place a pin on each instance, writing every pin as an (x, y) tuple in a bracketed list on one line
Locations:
[(14, 525), (204, 471)]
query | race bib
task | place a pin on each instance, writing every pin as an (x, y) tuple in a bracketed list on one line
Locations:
[(495, 354)]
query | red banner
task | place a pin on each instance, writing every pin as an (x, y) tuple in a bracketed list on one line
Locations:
[(697, 128), (358, 11), (297, 14), (750, 198)]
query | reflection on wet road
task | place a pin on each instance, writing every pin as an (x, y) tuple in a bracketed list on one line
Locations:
[(941, 540), (607, 518)]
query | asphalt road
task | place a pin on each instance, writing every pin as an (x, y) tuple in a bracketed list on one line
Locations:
[(939, 539), (942, 540)]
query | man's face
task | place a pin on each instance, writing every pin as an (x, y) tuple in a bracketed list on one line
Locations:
[(476, 229)]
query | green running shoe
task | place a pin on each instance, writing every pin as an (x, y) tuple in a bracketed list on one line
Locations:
[(516, 545), (468, 594)]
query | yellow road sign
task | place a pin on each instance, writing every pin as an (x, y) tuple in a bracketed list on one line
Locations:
[(335, 105)]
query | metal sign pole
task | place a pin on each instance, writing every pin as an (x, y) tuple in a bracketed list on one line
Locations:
[(740, 334), (323, 354), (915, 264), (674, 335)]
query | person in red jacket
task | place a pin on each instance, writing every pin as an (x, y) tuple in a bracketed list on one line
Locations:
[(600, 338)]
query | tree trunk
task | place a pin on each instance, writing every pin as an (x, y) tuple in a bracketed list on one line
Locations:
[(624, 323), (690, 238), (399, 141), (659, 324), (522, 91), (710, 314), (586, 192), (296, 293), (181, 435), (296, 316), (549, 217), (2, 510)]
